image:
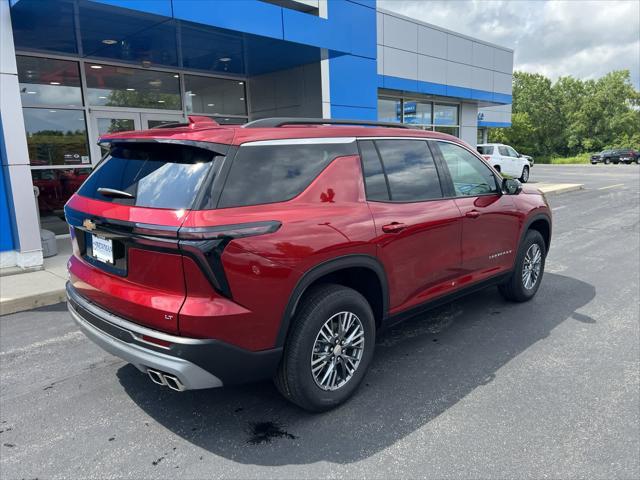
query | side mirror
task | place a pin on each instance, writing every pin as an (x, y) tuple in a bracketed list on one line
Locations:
[(511, 186)]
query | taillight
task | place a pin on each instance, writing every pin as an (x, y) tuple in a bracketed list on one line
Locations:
[(228, 231), (486, 157)]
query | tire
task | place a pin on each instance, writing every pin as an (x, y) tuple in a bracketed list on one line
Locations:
[(524, 178), (295, 380), (497, 167), (607, 161), (515, 289)]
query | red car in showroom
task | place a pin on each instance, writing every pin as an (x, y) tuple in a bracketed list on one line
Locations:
[(210, 255)]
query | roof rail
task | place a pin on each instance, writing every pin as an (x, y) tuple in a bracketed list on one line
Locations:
[(275, 122)]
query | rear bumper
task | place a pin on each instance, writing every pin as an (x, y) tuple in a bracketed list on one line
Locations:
[(197, 363)]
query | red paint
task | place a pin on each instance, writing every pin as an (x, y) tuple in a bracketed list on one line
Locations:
[(427, 249)]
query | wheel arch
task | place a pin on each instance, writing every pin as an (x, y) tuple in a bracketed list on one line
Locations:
[(363, 273), (541, 223)]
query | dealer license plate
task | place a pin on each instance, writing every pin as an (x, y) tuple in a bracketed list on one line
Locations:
[(102, 249)]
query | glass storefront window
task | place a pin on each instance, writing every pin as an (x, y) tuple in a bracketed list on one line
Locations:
[(55, 187), (418, 113), (45, 81), (445, 115), (214, 96), (111, 86), (450, 130), (389, 110), (56, 137)]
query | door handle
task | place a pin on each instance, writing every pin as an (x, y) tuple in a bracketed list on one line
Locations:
[(472, 214), (393, 227)]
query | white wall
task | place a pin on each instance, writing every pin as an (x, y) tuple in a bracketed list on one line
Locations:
[(419, 51)]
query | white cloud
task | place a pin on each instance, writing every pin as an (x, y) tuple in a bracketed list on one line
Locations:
[(586, 39)]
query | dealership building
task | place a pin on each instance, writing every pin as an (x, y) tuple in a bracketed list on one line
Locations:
[(71, 70)]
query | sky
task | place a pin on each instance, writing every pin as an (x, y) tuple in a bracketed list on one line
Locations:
[(582, 38)]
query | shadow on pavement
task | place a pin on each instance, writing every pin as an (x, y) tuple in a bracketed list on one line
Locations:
[(421, 368)]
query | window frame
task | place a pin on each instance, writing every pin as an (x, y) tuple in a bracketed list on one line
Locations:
[(436, 160), (449, 179)]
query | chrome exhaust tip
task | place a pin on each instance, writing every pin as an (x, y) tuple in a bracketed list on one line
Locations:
[(174, 383), (156, 377)]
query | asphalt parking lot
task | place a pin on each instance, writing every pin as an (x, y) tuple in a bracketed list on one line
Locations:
[(476, 389)]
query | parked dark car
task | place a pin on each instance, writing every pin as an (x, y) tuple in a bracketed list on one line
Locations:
[(615, 156), (209, 255)]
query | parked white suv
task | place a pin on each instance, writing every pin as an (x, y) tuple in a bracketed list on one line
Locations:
[(506, 160)]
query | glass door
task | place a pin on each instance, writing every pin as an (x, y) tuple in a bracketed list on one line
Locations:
[(110, 122), (153, 120)]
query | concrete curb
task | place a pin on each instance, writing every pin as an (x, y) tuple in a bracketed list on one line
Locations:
[(31, 290), (556, 189), (21, 304)]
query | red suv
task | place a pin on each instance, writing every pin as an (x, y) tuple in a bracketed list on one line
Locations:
[(210, 255)]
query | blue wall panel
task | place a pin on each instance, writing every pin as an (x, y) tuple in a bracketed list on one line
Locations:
[(353, 81), (353, 113), (250, 16), (6, 228)]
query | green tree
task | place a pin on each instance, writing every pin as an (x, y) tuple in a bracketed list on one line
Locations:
[(572, 116)]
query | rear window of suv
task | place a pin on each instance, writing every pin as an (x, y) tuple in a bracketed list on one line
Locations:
[(156, 175), (278, 171), (485, 150)]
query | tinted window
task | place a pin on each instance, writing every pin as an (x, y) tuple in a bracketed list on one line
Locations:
[(131, 87), (56, 137), (374, 179), (485, 150), (158, 175), (503, 151), (470, 176), (276, 173), (45, 81), (410, 170)]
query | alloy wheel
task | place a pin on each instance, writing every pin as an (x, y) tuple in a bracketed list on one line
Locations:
[(532, 266), (337, 351)]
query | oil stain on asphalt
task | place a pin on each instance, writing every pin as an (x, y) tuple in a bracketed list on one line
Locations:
[(264, 432)]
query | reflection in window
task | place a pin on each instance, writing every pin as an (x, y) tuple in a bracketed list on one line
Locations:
[(276, 173), (445, 115), (157, 175), (389, 110), (56, 137), (470, 176), (374, 177), (215, 96), (417, 112), (44, 81), (130, 87), (55, 187), (410, 169), (450, 130)]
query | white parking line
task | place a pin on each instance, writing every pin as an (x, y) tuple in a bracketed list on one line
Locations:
[(558, 208), (612, 186)]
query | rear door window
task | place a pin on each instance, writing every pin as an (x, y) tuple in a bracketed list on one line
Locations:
[(277, 171), (374, 178), (503, 151), (410, 170), (155, 175)]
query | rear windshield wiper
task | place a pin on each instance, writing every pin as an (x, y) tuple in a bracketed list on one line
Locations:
[(112, 192)]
